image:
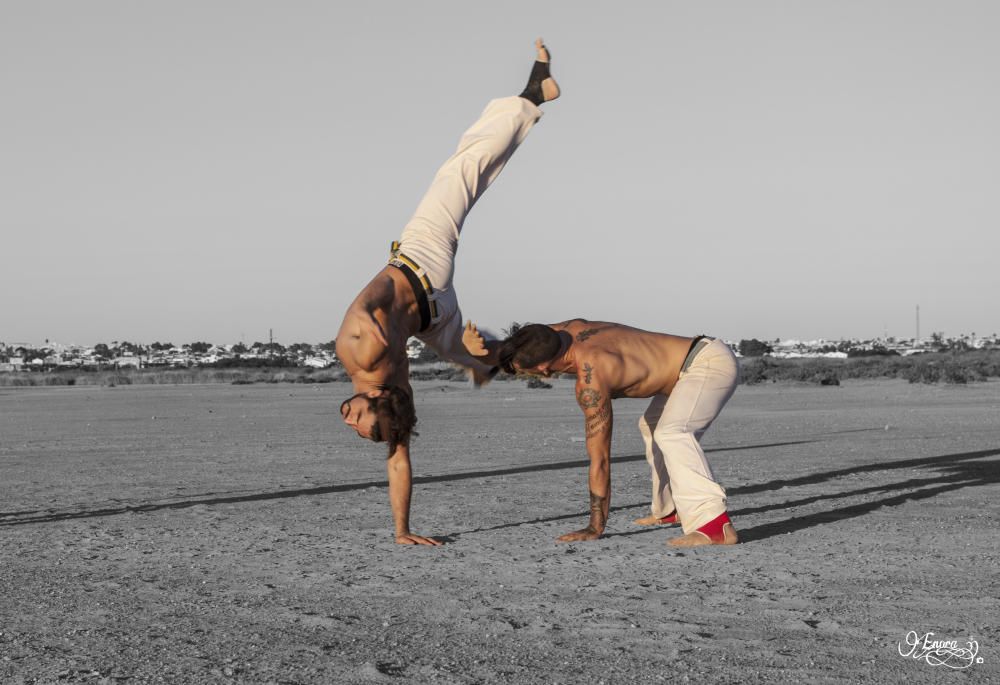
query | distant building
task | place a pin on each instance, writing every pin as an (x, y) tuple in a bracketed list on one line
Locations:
[(413, 348)]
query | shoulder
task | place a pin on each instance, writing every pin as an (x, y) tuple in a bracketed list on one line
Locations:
[(347, 343), (356, 350), (569, 324)]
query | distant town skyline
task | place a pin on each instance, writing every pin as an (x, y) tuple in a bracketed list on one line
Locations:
[(774, 169), (126, 354), (178, 342)]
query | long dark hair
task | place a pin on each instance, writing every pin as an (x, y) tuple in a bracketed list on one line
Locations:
[(395, 417), (529, 346)]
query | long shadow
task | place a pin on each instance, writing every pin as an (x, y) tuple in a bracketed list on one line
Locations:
[(814, 478), (22, 518), (547, 519), (911, 484), (963, 475), (854, 430), (961, 472), (24, 512)]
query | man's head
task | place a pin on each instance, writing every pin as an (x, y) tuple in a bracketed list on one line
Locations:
[(530, 350), (385, 414)]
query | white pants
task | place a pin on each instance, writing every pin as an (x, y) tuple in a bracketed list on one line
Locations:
[(672, 428), (431, 236)]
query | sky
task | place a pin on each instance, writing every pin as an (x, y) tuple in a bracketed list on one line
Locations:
[(213, 170)]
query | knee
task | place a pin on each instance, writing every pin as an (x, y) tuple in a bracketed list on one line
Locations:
[(674, 432)]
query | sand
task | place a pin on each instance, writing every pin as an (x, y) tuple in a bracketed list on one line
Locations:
[(213, 533)]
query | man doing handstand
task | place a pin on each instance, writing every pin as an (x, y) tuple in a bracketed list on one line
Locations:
[(689, 379), (413, 295)]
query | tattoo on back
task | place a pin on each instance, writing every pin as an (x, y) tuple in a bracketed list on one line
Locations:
[(587, 369), (583, 335), (588, 398)]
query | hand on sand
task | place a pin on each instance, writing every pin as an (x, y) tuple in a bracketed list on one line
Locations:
[(411, 539), (587, 533), (474, 341)]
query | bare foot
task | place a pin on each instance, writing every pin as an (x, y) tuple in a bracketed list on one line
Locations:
[(668, 520), (718, 531), (541, 86), (697, 538), (550, 89)]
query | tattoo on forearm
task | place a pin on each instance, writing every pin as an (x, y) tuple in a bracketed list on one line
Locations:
[(598, 517), (583, 335), (587, 370), (588, 398), (597, 422)]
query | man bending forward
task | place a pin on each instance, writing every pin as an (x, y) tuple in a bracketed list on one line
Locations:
[(689, 379)]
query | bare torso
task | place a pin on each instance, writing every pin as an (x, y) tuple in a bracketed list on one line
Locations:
[(386, 308), (631, 362)]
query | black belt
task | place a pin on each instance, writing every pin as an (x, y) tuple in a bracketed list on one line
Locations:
[(693, 351), (419, 283)]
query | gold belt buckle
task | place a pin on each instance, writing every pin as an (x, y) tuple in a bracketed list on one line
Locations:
[(398, 259)]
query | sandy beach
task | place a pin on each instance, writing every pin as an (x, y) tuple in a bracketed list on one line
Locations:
[(217, 533)]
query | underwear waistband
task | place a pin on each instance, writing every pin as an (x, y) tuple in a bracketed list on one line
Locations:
[(697, 345)]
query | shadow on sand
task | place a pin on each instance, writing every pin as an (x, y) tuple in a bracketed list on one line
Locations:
[(954, 472), (14, 518), (957, 471)]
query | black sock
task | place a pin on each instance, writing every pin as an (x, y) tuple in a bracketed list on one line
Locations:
[(533, 91)]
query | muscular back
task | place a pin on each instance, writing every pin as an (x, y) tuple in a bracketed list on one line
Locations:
[(631, 362)]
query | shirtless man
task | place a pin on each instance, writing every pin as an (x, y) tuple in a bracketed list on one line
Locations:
[(689, 379), (413, 295)]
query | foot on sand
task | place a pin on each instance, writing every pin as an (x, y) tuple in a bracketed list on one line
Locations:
[(668, 520), (718, 531), (541, 86)]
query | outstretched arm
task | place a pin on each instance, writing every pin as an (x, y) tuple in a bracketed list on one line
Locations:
[(594, 399), (400, 490)]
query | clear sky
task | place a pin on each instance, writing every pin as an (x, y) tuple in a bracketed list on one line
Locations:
[(209, 170)]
